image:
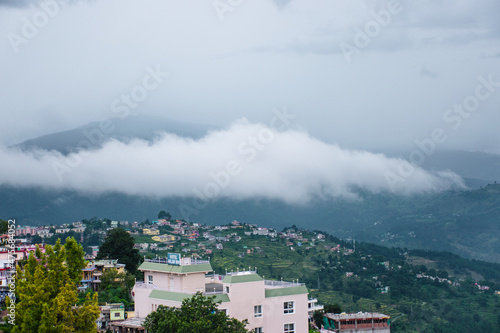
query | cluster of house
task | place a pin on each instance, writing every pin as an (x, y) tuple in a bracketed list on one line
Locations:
[(197, 240), (49, 231), (480, 287), (436, 278), (19, 252), (269, 306)]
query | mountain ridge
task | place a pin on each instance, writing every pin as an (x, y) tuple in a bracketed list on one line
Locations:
[(94, 134), (467, 218), (462, 222)]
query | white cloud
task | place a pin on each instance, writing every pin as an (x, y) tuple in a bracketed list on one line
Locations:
[(246, 160)]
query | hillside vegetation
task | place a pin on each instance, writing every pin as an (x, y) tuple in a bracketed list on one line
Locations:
[(463, 222), (423, 291)]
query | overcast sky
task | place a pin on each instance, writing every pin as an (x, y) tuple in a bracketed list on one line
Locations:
[(356, 75)]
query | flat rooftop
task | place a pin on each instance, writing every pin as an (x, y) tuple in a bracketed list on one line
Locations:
[(183, 262), (358, 315)]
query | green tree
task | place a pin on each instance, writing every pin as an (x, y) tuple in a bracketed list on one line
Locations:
[(120, 245), (4, 227), (164, 229), (332, 308), (47, 295), (74, 259), (164, 215), (36, 239), (116, 287), (196, 314), (318, 318)]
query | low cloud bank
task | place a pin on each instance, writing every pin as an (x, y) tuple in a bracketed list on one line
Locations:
[(245, 160)]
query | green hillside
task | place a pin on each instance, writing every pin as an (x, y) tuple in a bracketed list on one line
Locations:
[(462, 222), (422, 291)]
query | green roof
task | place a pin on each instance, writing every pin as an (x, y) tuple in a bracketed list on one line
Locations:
[(151, 266), (179, 297), (276, 292), (241, 278)]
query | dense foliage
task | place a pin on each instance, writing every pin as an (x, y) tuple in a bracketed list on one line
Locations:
[(47, 295), (377, 278), (196, 314), (116, 287), (120, 245), (469, 219)]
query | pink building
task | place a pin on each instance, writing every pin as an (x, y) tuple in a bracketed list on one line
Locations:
[(269, 306), (25, 230), (20, 252)]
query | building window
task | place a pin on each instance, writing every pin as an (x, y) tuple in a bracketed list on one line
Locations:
[(117, 314), (258, 330), (288, 307), (257, 311), (227, 290), (289, 328), (150, 279)]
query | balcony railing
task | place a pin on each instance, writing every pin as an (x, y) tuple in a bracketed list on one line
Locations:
[(144, 285), (217, 292), (184, 261), (281, 284)]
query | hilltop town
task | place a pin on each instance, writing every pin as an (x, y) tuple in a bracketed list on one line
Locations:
[(358, 277)]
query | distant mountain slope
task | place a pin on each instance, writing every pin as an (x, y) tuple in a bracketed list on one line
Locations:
[(466, 222), (478, 168), (94, 134)]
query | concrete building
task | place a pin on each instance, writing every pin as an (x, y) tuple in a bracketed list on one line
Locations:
[(357, 322), (6, 270), (91, 275), (109, 313), (164, 238), (44, 233), (269, 306), (24, 230), (150, 231), (20, 251)]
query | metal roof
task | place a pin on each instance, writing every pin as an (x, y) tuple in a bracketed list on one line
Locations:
[(286, 291), (241, 278), (150, 266), (135, 322)]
